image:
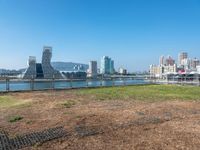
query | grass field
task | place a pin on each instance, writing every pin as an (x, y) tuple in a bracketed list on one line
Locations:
[(130, 117), (7, 102), (145, 93), (149, 93)]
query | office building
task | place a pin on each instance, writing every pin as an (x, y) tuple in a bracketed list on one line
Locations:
[(122, 71), (194, 63), (107, 65), (42, 70), (181, 57), (31, 70), (169, 61), (156, 71), (166, 66), (92, 71), (48, 70), (112, 70), (162, 60), (159, 71), (185, 63)]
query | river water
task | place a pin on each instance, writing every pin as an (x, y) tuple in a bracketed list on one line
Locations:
[(41, 85)]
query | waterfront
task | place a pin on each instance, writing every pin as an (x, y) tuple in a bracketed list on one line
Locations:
[(26, 85)]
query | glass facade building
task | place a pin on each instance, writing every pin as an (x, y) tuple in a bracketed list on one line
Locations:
[(107, 65)]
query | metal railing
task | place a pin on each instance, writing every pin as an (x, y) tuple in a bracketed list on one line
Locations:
[(7, 85), (185, 80)]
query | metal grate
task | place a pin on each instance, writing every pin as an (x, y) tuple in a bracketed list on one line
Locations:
[(30, 139)]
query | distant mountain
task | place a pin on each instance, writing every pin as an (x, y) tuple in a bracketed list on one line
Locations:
[(4, 72), (7, 70), (69, 66)]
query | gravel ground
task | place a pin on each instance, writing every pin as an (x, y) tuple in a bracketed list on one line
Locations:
[(109, 124)]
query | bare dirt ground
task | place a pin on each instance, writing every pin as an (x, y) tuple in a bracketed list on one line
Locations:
[(111, 124)]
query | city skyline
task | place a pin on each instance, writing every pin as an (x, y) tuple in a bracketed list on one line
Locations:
[(168, 66), (133, 33)]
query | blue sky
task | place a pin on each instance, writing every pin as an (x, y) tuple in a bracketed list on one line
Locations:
[(133, 32)]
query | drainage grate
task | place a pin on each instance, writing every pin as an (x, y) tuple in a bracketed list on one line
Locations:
[(30, 139), (84, 131)]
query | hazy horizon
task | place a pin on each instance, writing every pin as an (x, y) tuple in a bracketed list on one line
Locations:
[(134, 33)]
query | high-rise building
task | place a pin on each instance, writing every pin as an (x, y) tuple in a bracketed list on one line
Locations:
[(156, 71), (48, 70), (112, 70), (92, 71), (122, 71), (31, 70), (159, 71), (185, 64), (162, 60), (44, 69), (194, 63), (169, 61), (170, 69), (107, 65), (181, 57)]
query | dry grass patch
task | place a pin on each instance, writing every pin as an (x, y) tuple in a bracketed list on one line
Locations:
[(68, 103), (9, 101)]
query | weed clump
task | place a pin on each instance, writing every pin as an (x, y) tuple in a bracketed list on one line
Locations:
[(68, 104), (15, 119)]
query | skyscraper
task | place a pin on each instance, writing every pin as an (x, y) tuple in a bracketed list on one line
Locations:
[(107, 65), (186, 63), (31, 70), (181, 57), (92, 71), (169, 61), (194, 63), (48, 70), (162, 60), (112, 70), (44, 69)]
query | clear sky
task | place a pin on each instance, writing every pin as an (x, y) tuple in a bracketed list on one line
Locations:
[(133, 32)]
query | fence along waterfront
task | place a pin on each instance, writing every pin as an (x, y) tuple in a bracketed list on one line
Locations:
[(7, 85)]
